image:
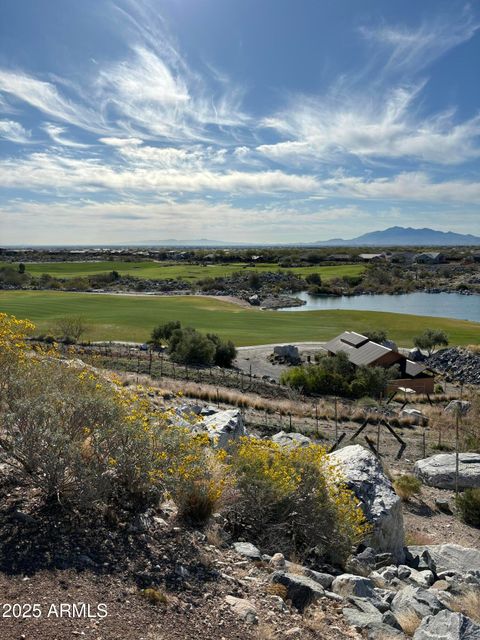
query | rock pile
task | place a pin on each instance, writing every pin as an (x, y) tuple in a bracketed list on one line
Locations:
[(388, 595), (457, 364)]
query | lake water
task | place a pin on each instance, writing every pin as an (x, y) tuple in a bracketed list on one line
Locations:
[(442, 305)]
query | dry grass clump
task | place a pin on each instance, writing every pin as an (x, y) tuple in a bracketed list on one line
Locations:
[(409, 621), (277, 589), (265, 632), (467, 603), (154, 596), (407, 486), (474, 348)]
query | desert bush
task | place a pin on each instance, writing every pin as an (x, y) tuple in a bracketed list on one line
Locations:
[(71, 328), (468, 504), (293, 500), (430, 339), (407, 486), (73, 437), (189, 346), (194, 474), (154, 596)]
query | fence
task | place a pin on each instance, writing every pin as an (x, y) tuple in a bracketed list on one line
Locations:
[(329, 422)]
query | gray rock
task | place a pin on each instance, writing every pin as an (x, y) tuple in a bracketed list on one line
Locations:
[(422, 578), (381, 505), (325, 579), (350, 585), (277, 561), (404, 572), (285, 439), (390, 619), (450, 557), (415, 415), (443, 505), (421, 601), (439, 471), (388, 573), (244, 609), (462, 407), (301, 590), (247, 550), (223, 426), (446, 625), (288, 352), (361, 613)]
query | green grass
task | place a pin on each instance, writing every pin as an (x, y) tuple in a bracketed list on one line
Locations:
[(175, 270), (132, 318)]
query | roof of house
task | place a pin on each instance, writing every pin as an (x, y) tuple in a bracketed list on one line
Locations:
[(359, 349), (371, 256), (362, 351), (413, 369)]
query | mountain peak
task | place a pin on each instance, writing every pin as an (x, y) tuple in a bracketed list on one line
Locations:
[(407, 236)]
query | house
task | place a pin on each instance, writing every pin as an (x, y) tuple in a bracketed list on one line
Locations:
[(430, 257), (403, 257), (372, 257), (364, 352)]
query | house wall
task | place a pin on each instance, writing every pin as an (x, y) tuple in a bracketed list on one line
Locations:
[(388, 359), (420, 385)]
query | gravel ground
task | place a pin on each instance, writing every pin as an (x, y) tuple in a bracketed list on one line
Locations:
[(257, 358)]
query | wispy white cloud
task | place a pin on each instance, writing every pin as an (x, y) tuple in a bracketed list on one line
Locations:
[(56, 172), (413, 49), (414, 186), (45, 97), (370, 127), (120, 142), (14, 131), (56, 133)]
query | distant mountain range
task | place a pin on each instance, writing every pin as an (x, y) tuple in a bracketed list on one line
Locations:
[(406, 236)]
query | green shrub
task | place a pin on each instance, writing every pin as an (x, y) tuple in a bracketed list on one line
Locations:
[(407, 486), (189, 346), (337, 376), (468, 504), (430, 339)]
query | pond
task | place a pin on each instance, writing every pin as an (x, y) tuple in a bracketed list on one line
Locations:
[(442, 305)]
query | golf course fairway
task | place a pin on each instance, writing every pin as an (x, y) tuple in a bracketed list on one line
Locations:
[(132, 318)]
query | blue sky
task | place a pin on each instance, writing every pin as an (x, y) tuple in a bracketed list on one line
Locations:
[(237, 120)]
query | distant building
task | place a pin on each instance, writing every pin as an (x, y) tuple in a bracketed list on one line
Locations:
[(403, 257), (430, 257), (364, 352), (373, 257)]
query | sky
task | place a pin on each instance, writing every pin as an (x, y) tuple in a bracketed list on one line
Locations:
[(260, 121)]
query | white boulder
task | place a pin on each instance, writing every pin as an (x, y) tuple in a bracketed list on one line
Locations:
[(439, 471), (381, 505)]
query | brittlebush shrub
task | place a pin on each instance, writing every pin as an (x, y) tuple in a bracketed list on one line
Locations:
[(195, 475), (294, 500), (80, 439)]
